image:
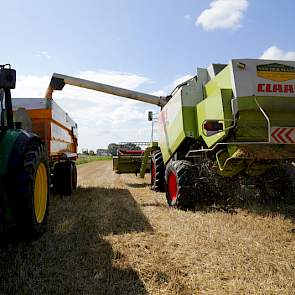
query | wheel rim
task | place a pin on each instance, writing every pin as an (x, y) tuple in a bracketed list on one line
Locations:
[(172, 186), (153, 173), (40, 192)]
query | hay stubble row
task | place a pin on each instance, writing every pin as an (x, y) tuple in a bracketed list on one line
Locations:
[(116, 236)]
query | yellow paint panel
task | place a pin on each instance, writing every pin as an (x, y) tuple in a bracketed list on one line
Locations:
[(276, 76)]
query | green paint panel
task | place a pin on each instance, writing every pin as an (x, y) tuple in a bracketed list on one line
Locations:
[(221, 81), (146, 159), (176, 123), (171, 130), (7, 140), (217, 105), (227, 95), (218, 108), (252, 124), (189, 121)]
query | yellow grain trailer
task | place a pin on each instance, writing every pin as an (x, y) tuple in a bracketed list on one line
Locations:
[(58, 132)]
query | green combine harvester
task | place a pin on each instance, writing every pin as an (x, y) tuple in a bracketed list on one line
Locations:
[(230, 122)]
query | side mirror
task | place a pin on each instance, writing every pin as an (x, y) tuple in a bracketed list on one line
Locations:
[(7, 78)]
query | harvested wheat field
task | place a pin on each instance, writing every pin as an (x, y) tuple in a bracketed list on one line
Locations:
[(116, 236)]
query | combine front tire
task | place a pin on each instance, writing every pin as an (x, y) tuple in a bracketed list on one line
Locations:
[(28, 192), (179, 184), (157, 172)]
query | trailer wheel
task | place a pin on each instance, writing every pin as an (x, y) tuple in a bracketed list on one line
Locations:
[(157, 172), (64, 179), (74, 176), (29, 192), (179, 185), (57, 178)]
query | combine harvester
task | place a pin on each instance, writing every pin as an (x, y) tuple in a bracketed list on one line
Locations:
[(38, 146), (131, 160), (228, 123)]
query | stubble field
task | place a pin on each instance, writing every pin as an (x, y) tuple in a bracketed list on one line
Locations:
[(116, 236)]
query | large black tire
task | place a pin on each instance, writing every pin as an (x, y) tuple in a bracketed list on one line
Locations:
[(65, 178), (57, 178), (74, 176), (28, 192), (180, 185), (157, 172)]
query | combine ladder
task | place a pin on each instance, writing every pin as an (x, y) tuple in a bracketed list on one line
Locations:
[(146, 155)]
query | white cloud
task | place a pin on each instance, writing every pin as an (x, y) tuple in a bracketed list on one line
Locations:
[(30, 86), (223, 14), (276, 53), (43, 54), (101, 118)]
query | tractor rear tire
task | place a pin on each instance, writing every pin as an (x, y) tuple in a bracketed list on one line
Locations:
[(157, 172), (179, 185), (28, 192), (65, 178)]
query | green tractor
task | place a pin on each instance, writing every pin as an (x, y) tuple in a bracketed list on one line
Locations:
[(24, 172), (231, 124)]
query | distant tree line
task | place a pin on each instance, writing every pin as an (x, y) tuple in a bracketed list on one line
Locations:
[(88, 152), (112, 149)]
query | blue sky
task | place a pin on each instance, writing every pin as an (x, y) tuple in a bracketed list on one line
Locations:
[(142, 44)]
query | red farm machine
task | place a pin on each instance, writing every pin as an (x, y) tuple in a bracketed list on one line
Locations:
[(38, 147), (231, 124)]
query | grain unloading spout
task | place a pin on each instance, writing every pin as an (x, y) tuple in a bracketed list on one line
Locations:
[(58, 81)]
